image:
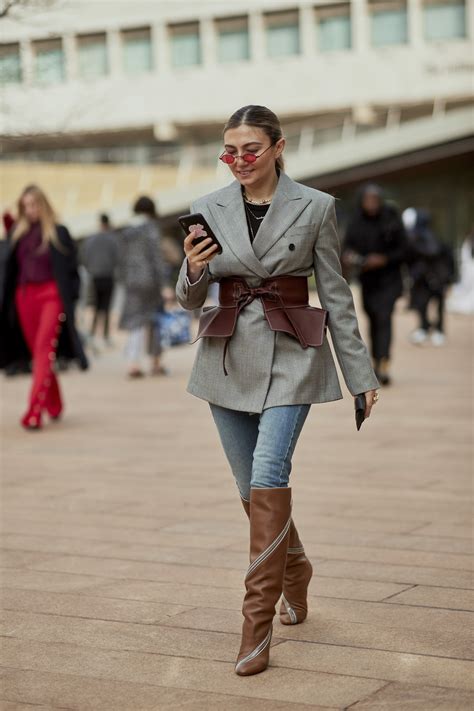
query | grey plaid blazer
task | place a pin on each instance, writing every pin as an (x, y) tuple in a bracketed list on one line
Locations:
[(267, 368)]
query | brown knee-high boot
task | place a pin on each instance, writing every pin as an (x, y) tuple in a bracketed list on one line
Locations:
[(298, 573), (270, 519)]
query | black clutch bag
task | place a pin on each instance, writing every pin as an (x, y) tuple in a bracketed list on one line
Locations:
[(359, 404)]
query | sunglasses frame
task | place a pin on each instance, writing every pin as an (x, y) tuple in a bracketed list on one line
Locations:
[(244, 156)]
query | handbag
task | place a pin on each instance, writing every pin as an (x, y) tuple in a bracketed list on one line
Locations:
[(174, 327)]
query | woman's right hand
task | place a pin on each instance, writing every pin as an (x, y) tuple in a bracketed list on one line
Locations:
[(198, 255)]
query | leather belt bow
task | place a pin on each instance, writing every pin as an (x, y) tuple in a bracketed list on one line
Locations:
[(285, 304)]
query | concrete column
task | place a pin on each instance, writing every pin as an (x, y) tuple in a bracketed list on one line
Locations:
[(70, 56), (360, 25), (27, 59), (114, 50), (415, 23), (307, 31), (160, 43), (258, 47), (207, 36), (470, 19)]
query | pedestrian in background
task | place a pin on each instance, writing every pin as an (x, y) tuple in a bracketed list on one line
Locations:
[(100, 257), (432, 270), (41, 287), (375, 244), (141, 272)]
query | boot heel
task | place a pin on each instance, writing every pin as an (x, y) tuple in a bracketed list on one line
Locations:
[(294, 604)]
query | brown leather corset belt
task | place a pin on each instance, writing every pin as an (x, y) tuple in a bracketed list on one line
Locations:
[(285, 304)]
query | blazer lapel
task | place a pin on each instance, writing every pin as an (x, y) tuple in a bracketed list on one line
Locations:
[(229, 213), (287, 204)]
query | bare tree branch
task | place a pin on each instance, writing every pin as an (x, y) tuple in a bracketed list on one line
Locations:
[(8, 8)]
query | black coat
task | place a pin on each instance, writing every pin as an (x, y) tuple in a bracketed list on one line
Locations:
[(13, 347), (382, 234), (431, 262)]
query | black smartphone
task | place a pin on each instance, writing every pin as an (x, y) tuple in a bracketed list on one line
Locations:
[(189, 223), (359, 406)]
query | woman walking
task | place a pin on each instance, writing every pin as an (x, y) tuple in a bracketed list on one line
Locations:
[(263, 358), (41, 287), (141, 271)]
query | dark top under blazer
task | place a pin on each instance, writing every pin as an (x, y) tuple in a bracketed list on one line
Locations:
[(266, 369)]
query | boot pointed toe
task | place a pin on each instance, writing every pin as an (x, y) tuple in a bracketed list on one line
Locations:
[(255, 661)]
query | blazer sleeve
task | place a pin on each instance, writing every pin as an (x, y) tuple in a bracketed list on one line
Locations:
[(336, 296), (191, 295)]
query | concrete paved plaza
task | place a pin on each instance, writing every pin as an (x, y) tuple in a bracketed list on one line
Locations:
[(125, 548)]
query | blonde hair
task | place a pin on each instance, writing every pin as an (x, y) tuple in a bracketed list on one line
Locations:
[(260, 117), (47, 217)]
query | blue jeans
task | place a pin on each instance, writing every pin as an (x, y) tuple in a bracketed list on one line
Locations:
[(259, 447)]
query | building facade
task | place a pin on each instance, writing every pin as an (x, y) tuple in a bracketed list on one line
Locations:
[(151, 82), (177, 68)]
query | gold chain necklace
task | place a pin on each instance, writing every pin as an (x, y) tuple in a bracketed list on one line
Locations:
[(256, 217), (249, 221), (257, 202)]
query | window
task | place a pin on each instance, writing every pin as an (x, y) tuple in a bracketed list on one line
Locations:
[(233, 40), (389, 23), (185, 45), (444, 19), (283, 34), (136, 47), (10, 64), (92, 56), (49, 62), (334, 28)]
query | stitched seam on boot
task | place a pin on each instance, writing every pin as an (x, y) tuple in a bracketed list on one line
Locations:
[(268, 551), (294, 551), (290, 611)]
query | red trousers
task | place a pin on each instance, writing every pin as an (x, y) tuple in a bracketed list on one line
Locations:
[(41, 314)]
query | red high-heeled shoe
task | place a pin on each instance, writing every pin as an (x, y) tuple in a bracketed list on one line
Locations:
[(31, 422)]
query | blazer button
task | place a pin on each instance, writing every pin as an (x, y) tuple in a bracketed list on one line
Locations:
[(291, 247)]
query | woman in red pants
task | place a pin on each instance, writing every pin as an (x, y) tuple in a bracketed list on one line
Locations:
[(41, 287)]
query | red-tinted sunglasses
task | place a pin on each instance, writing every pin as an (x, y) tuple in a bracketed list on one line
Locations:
[(229, 158)]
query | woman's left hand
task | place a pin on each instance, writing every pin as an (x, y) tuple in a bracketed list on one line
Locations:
[(371, 397)]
